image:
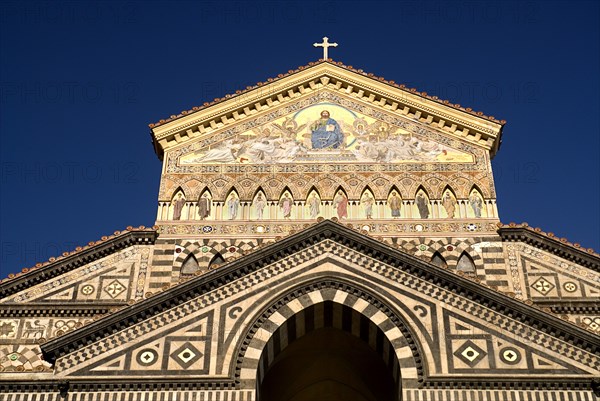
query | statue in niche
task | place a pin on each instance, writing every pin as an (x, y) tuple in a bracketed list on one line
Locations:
[(326, 133), (340, 202), (259, 205), (314, 205), (395, 204), (204, 206), (422, 205), (449, 204), (286, 204), (367, 201), (178, 206), (476, 204), (233, 204)]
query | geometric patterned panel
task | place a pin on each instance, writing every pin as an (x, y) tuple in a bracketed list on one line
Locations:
[(478, 340), (22, 358), (549, 278), (186, 347), (117, 277), (474, 347)]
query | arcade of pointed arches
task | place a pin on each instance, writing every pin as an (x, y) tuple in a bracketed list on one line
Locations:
[(368, 205)]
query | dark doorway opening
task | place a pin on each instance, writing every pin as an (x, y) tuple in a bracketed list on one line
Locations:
[(328, 363)]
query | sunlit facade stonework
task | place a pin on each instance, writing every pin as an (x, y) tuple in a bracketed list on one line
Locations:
[(324, 218)]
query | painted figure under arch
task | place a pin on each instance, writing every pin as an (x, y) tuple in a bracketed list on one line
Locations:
[(259, 206), (314, 205), (233, 205), (204, 206), (476, 203), (422, 205), (340, 202), (367, 201), (286, 204), (449, 204), (178, 206), (395, 205)]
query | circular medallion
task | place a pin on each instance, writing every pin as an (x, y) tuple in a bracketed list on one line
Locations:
[(147, 357), (87, 289), (570, 286), (510, 355)]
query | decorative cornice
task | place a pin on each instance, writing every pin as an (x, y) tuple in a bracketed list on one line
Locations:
[(69, 261), (461, 122), (341, 65), (328, 229), (549, 242), (217, 383), (53, 310)]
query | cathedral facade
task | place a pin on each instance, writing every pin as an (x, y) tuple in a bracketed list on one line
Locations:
[(324, 235)]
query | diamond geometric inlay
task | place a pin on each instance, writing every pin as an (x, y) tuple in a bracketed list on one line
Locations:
[(470, 353), (186, 355), (542, 286), (114, 288)]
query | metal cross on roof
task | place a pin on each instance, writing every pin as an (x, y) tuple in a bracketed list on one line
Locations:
[(325, 45)]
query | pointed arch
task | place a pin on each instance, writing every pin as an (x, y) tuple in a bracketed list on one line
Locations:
[(281, 321), (232, 190), (394, 203), (259, 189), (286, 203), (289, 192), (422, 207), (205, 204), (393, 189), (205, 190), (366, 368), (216, 260), (476, 207), (313, 202), (177, 191), (232, 205), (438, 260), (190, 265), (422, 189), (339, 189), (465, 263), (340, 202), (449, 203), (259, 209), (312, 189), (368, 202), (178, 201)]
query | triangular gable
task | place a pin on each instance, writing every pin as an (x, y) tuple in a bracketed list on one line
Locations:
[(84, 274), (321, 78), (492, 334)]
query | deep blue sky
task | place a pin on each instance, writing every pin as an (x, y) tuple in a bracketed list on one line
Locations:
[(81, 81)]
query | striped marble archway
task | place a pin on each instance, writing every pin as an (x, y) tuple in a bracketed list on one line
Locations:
[(299, 312)]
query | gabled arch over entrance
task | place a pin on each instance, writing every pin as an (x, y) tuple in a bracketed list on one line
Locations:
[(393, 342), (328, 351)]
